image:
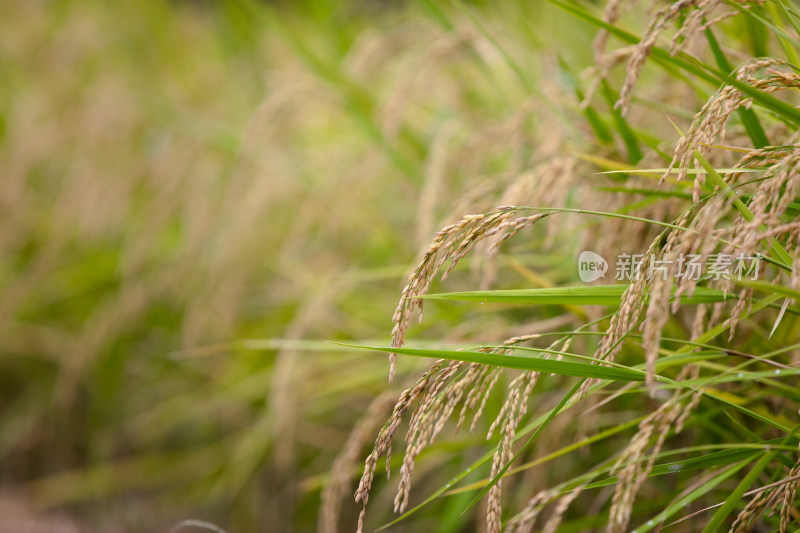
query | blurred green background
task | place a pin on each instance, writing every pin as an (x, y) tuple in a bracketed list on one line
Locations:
[(191, 191)]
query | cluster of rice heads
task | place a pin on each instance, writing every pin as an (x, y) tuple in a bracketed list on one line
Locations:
[(188, 177), (704, 429)]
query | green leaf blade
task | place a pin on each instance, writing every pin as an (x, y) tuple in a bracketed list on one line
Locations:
[(535, 364)]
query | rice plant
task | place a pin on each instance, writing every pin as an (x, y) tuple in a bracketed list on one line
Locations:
[(682, 393), (595, 204)]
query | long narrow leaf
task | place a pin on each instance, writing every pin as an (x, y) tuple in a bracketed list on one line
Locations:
[(536, 364), (579, 295)]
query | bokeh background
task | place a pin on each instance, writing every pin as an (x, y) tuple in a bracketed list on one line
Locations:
[(194, 195)]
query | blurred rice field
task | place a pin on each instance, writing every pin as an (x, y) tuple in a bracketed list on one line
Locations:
[(192, 190), (196, 195)]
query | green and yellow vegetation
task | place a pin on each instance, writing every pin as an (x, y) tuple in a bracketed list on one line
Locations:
[(220, 221)]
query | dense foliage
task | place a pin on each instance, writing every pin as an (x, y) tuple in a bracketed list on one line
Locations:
[(197, 195)]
